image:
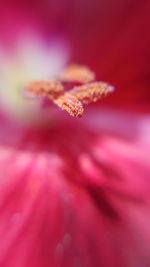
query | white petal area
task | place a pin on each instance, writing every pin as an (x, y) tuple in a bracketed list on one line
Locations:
[(31, 60), (40, 60)]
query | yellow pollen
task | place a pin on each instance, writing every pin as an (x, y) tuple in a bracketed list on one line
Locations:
[(77, 73), (71, 104), (91, 92), (51, 89)]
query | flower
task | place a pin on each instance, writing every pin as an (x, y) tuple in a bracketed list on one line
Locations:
[(74, 192)]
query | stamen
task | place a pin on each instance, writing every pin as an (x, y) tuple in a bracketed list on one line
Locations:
[(77, 73), (52, 89), (71, 104), (91, 92)]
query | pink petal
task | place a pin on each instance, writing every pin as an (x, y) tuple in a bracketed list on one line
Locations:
[(75, 196)]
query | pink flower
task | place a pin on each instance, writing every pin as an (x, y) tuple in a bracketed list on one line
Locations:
[(74, 192)]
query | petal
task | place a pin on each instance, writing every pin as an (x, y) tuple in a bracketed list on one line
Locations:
[(79, 198)]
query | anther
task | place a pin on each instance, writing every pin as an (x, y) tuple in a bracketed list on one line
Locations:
[(91, 92), (51, 89), (77, 73), (70, 104)]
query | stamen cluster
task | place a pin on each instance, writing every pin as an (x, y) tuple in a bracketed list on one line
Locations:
[(72, 101)]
